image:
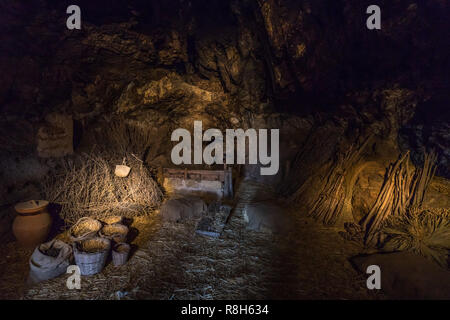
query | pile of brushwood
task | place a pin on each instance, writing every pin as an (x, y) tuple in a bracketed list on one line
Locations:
[(87, 186)]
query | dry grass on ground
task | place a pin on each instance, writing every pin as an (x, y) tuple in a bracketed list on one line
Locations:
[(171, 262)]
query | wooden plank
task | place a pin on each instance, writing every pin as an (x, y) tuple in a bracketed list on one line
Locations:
[(171, 170), (209, 175)]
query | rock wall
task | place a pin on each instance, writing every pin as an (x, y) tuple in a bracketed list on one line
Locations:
[(309, 68)]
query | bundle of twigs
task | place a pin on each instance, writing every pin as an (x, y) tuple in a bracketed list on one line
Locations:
[(88, 187), (330, 201), (425, 232), (328, 206), (424, 177), (124, 138), (403, 187)]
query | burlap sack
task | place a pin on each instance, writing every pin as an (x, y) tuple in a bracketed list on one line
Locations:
[(49, 260)]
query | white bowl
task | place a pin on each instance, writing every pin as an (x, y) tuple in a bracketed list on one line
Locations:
[(122, 171)]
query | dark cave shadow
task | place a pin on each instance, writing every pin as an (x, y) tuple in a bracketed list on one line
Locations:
[(286, 265), (58, 224), (133, 249), (127, 221), (77, 133), (131, 236)]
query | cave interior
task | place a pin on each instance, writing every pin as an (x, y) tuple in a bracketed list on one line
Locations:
[(358, 134)]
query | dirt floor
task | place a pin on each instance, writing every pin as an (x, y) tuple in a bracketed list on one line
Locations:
[(170, 261)]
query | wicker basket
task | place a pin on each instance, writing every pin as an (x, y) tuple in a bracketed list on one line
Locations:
[(120, 254), (91, 254), (85, 228), (112, 220), (116, 232)]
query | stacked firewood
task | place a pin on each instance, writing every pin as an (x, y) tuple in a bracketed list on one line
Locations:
[(424, 177), (404, 187), (330, 202)]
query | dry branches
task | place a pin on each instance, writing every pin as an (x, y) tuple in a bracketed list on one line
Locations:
[(90, 188), (328, 206), (424, 177), (424, 232), (403, 188), (123, 138)]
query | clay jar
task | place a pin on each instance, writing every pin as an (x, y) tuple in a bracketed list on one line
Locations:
[(32, 223)]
